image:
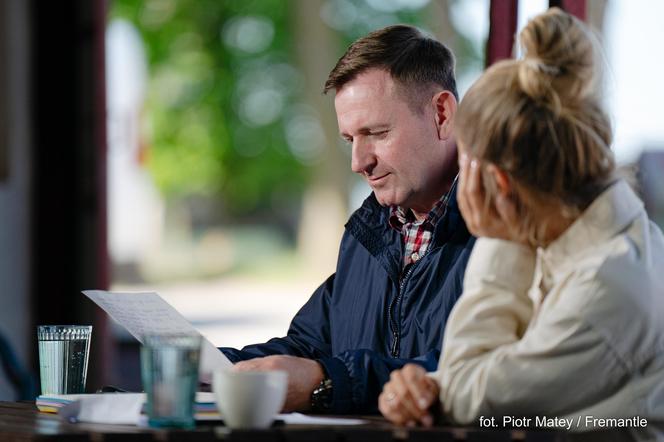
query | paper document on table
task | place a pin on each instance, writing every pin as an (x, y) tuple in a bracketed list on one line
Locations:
[(149, 313), (113, 408), (303, 419)]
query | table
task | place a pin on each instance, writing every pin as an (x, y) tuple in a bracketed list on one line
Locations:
[(21, 421)]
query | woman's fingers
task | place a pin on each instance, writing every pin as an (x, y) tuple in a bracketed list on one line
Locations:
[(471, 193), (462, 190), (474, 192), (406, 398), (391, 405), (423, 389), (416, 379), (398, 404), (500, 218), (404, 402), (386, 406)]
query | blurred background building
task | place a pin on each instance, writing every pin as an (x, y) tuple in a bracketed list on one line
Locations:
[(185, 147)]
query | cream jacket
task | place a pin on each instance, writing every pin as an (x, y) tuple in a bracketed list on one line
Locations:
[(574, 331)]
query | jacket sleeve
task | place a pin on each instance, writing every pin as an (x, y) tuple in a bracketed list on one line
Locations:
[(492, 366), (308, 335), (358, 377)]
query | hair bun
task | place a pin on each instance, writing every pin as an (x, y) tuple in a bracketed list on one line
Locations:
[(559, 58)]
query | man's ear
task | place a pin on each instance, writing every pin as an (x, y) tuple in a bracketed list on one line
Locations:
[(445, 106), (502, 180)]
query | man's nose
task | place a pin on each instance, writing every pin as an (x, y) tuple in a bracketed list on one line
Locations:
[(363, 158)]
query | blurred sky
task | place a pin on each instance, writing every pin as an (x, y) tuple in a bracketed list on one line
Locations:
[(634, 38)]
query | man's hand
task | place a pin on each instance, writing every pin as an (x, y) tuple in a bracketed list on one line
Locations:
[(407, 397), (303, 377)]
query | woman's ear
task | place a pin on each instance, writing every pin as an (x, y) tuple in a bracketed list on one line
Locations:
[(445, 106), (501, 178)]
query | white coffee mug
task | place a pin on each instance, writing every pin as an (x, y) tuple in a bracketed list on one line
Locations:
[(249, 399)]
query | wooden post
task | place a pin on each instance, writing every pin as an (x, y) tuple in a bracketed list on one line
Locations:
[(502, 29), (69, 193)]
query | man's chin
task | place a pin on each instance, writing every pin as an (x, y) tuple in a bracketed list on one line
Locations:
[(387, 200)]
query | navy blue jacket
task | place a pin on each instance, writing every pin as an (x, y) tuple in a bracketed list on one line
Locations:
[(368, 318)]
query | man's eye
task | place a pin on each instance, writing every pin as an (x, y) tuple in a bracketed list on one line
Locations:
[(379, 134)]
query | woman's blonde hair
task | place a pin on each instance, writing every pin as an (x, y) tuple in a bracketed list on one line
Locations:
[(540, 119)]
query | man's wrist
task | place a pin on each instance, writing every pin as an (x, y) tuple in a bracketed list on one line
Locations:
[(321, 397)]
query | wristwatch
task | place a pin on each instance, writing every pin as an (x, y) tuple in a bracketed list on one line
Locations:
[(321, 397)]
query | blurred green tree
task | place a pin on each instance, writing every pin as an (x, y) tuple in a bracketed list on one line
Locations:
[(221, 84)]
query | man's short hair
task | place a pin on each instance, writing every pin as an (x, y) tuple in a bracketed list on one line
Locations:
[(416, 62)]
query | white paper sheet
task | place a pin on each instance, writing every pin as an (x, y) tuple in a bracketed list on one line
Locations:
[(149, 313), (303, 419), (125, 409), (113, 408), (106, 408)]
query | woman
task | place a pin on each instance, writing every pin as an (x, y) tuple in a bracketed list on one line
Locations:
[(562, 314)]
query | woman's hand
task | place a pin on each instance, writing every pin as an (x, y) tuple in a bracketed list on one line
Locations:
[(499, 219), (407, 397)]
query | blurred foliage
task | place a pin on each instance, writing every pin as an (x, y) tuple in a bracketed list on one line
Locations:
[(224, 101), (220, 85)]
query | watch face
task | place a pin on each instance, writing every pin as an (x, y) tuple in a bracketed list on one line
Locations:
[(321, 397)]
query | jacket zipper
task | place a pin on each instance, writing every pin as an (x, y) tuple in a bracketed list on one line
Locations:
[(394, 351)]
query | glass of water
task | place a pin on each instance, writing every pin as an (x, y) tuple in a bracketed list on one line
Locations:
[(63, 358), (169, 370)]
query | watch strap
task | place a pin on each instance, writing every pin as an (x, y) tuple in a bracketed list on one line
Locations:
[(321, 397)]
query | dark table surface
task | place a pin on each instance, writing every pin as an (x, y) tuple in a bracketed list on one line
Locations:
[(21, 421)]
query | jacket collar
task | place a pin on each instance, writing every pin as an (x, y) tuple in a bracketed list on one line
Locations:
[(369, 225), (610, 213)]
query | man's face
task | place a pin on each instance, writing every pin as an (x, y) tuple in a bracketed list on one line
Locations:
[(397, 150)]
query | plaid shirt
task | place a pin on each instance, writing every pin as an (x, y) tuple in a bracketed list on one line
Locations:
[(416, 234)]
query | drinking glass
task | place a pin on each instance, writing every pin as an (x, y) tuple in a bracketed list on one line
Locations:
[(63, 358), (169, 370)]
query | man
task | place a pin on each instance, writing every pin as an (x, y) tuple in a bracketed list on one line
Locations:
[(403, 254)]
